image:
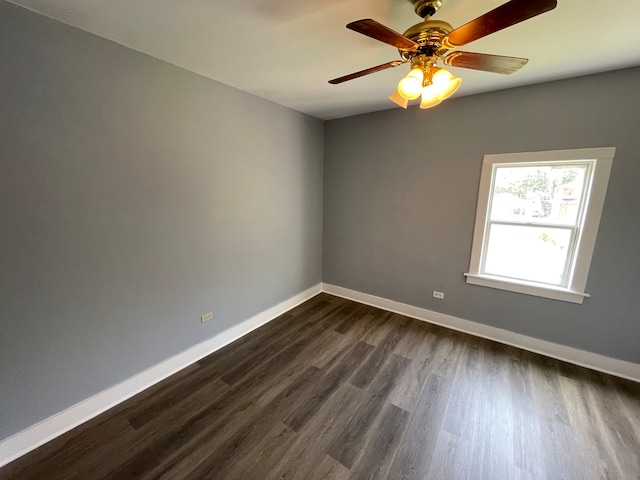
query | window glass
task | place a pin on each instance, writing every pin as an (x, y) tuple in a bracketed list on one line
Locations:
[(537, 254), (539, 194)]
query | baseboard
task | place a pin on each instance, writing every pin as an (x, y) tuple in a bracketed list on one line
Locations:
[(54, 426), (594, 361)]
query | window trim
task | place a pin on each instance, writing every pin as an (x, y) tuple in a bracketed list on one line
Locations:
[(575, 291)]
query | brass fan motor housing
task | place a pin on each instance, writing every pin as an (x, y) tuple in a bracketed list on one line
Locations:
[(428, 35)]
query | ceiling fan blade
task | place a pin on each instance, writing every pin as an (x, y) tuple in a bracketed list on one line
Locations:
[(504, 16), (362, 73), (483, 61), (376, 30)]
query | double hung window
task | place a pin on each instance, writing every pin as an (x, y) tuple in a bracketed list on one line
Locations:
[(537, 219)]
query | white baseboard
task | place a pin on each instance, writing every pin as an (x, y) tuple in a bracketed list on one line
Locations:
[(54, 426), (594, 361)]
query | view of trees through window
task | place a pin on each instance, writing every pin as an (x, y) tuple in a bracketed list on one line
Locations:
[(535, 212)]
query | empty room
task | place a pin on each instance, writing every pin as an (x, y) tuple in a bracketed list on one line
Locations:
[(241, 241)]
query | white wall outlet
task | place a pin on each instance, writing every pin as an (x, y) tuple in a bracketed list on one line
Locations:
[(437, 294), (206, 317)]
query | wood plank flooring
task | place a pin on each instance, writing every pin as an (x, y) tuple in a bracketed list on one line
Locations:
[(338, 390)]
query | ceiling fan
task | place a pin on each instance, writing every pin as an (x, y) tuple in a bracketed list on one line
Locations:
[(432, 41)]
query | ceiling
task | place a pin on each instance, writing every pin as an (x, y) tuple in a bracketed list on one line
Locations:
[(286, 50)]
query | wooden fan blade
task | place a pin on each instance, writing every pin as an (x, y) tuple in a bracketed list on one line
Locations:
[(362, 73), (483, 61), (376, 30), (504, 16)]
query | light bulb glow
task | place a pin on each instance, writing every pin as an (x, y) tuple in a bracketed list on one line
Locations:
[(410, 87), (441, 77), (445, 83), (429, 97), (416, 73)]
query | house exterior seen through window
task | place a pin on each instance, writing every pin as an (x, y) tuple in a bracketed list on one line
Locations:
[(537, 220)]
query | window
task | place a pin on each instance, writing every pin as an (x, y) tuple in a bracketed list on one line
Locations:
[(537, 219)]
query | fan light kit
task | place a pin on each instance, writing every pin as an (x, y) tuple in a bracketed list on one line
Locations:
[(425, 79), (432, 41)]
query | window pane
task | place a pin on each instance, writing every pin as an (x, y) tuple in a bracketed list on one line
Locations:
[(539, 194), (536, 254)]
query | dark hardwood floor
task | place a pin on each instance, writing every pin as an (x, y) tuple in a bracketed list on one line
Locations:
[(334, 389)]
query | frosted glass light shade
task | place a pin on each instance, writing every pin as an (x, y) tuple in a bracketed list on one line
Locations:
[(445, 83), (430, 97), (398, 99), (450, 88), (410, 87)]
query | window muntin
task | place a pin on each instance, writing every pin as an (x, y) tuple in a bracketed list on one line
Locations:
[(551, 210)]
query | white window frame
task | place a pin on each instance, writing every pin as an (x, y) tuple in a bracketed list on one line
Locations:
[(594, 201)]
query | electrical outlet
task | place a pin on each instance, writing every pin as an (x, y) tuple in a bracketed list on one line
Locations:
[(437, 294), (206, 317)]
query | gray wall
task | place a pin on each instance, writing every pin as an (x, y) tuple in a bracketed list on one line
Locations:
[(400, 193), (134, 197)]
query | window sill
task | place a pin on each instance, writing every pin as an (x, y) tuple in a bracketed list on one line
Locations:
[(555, 293)]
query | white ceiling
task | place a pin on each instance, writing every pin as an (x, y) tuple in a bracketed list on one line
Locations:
[(287, 50)]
